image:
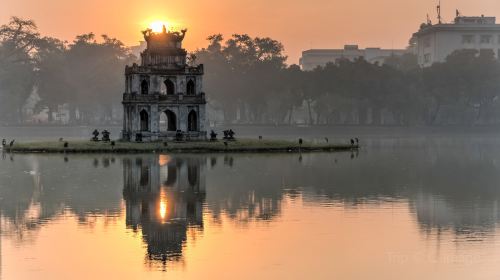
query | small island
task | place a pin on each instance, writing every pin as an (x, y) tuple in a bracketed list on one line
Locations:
[(164, 109), (237, 146)]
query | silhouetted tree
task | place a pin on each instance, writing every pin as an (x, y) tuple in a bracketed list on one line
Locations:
[(18, 41)]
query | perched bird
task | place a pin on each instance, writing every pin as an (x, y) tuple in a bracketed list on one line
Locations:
[(326, 139), (66, 144), (352, 142), (357, 140), (12, 143)]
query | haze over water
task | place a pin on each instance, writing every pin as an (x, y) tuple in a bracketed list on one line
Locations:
[(416, 81), (401, 208)]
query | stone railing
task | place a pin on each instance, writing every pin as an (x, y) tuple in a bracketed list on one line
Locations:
[(161, 68), (127, 97)]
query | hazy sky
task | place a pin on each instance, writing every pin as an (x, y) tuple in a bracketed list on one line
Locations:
[(298, 24)]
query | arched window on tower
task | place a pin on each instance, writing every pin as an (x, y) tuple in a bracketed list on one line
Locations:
[(144, 120), (190, 88), (144, 87), (169, 85), (168, 121), (192, 121)]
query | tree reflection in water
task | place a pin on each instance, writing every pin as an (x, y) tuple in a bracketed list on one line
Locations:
[(37, 189)]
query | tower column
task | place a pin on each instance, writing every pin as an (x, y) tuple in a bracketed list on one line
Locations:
[(201, 118), (183, 118), (154, 121)]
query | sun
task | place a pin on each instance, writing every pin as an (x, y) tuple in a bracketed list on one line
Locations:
[(157, 25)]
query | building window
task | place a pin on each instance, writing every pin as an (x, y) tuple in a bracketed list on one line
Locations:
[(485, 39), (468, 39), (190, 88), (192, 121), (487, 52), (144, 120), (427, 58), (170, 87), (168, 121), (144, 87)]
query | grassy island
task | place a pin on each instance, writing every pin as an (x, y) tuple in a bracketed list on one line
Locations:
[(240, 145)]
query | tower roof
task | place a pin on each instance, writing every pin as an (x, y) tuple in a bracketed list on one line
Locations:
[(164, 49), (160, 41)]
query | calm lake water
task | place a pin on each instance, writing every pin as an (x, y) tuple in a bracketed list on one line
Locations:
[(408, 205)]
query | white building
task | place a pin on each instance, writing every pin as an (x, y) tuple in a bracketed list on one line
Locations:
[(435, 42), (320, 57)]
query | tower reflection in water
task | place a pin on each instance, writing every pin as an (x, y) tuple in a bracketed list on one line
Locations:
[(164, 198)]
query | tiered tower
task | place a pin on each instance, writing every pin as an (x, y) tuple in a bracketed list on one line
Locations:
[(163, 96)]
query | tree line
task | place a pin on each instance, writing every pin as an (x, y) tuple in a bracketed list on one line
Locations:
[(247, 80), (86, 74)]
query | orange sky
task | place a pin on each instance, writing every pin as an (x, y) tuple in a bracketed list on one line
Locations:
[(298, 24)]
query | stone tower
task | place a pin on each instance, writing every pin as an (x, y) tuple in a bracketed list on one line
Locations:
[(163, 96)]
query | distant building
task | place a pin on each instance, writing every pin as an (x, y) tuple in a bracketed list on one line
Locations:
[(320, 57), (434, 42)]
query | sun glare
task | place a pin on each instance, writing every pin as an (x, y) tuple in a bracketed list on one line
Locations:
[(157, 26)]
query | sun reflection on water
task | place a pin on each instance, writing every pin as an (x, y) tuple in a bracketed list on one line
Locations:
[(164, 160), (163, 205)]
